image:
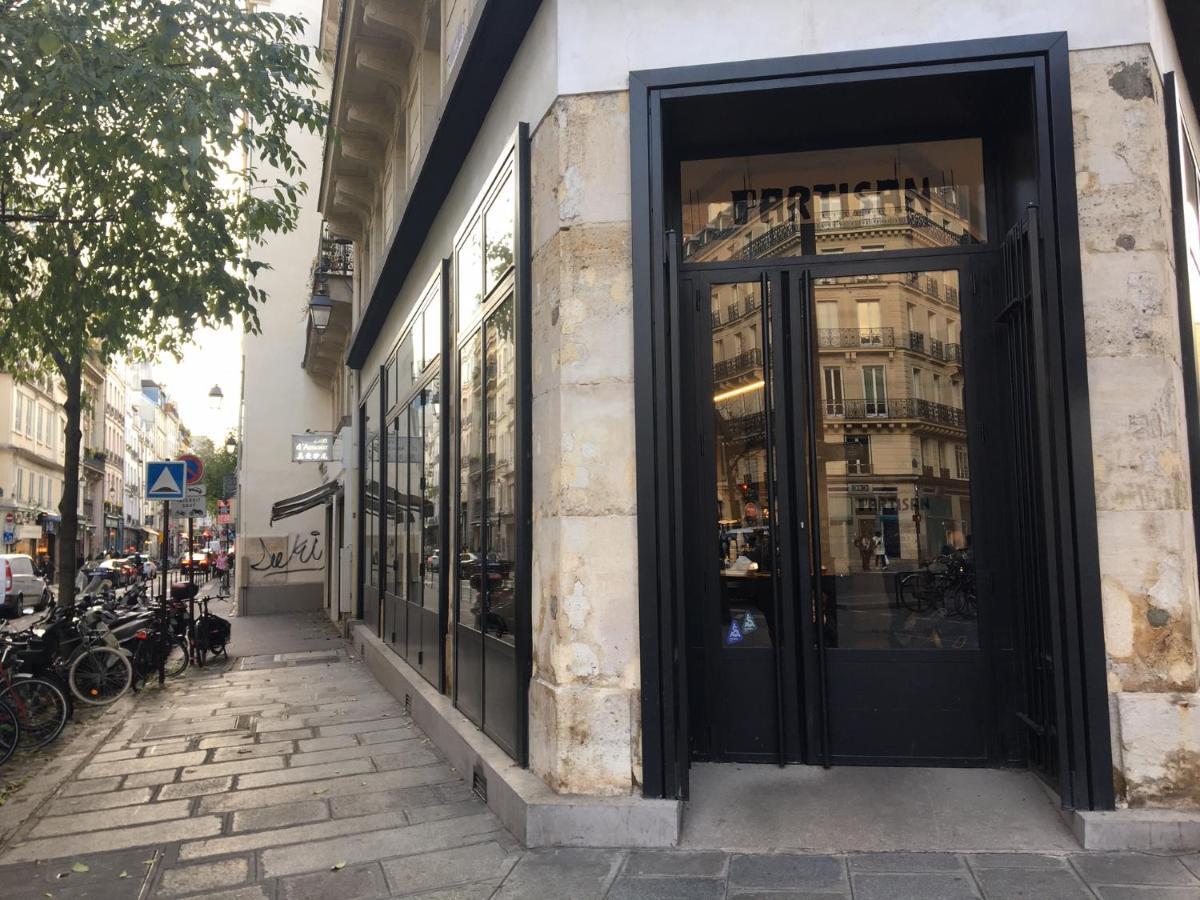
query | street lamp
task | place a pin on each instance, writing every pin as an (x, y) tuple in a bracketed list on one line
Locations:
[(320, 307), (215, 397), (231, 445)]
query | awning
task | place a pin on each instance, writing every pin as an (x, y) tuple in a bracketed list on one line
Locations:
[(293, 506)]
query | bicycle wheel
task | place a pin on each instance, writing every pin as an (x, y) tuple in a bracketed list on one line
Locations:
[(99, 675), (41, 707), (177, 658), (10, 732)]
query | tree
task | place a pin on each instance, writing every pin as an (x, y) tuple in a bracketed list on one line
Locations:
[(144, 156), (218, 462)]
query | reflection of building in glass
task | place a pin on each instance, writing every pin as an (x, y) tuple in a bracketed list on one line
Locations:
[(873, 198), (894, 441)]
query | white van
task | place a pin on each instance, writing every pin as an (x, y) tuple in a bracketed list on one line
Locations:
[(21, 586)]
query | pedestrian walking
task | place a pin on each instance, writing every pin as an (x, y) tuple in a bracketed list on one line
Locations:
[(881, 559)]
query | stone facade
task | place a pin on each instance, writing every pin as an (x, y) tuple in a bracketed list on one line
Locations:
[(584, 704), (1143, 491)]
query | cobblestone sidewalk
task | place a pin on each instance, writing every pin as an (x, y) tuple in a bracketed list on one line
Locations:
[(293, 775)]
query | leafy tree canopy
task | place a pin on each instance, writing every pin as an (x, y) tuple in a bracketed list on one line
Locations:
[(145, 155)]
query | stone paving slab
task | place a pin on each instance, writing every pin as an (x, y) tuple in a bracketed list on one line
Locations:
[(303, 780)]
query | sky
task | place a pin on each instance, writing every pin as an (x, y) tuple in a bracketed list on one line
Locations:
[(214, 357)]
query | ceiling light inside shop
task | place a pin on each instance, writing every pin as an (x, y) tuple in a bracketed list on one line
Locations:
[(738, 391)]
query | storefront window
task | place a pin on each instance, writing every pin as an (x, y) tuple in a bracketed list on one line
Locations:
[(372, 463), (498, 224), (894, 499), (847, 200), (469, 270)]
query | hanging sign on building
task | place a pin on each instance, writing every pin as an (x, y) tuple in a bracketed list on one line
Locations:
[(316, 446)]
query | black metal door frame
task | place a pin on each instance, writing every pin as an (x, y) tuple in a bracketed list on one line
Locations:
[(1087, 752)]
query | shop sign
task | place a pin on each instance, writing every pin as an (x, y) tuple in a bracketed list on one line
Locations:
[(28, 533), (314, 446)]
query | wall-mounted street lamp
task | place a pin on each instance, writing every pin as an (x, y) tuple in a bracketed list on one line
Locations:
[(231, 445), (320, 307), (216, 397)]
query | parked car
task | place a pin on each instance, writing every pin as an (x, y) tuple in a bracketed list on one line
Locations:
[(198, 561), (115, 571), (22, 586)]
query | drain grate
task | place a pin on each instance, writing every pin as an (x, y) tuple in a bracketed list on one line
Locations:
[(408, 705), (479, 785)]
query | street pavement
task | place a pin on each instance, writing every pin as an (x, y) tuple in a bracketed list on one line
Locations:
[(288, 773)]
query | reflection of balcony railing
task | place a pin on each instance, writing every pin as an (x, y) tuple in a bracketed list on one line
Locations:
[(866, 219), (905, 408), (927, 471), (856, 337), (937, 349), (765, 243), (744, 428), (737, 365), (835, 408), (952, 295), (916, 341), (944, 472), (954, 353), (716, 319), (858, 467)]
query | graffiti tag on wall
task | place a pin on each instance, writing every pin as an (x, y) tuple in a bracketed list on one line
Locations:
[(273, 559)]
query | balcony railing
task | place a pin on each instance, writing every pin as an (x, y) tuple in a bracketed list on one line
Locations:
[(867, 219), (336, 257), (856, 337), (954, 353), (737, 365), (858, 467), (905, 408), (764, 244), (916, 341), (937, 349)]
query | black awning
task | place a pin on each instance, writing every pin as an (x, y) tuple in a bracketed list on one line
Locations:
[(293, 506)]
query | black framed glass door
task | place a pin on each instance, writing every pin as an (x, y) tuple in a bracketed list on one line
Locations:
[(833, 605), (903, 664)]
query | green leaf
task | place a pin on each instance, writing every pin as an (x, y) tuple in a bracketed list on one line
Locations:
[(48, 42), (80, 867), (337, 866)]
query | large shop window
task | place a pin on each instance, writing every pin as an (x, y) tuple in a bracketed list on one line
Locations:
[(411, 574), (372, 470), (848, 200), (491, 588)]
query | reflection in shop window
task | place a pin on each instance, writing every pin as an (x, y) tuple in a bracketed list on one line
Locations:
[(893, 495), (852, 200)]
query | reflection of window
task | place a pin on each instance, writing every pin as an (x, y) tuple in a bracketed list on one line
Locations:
[(918, 385), (961, 465), (874, 391), (858, 454), (834, 401), (869, 317), (827, 314), (937, 389)]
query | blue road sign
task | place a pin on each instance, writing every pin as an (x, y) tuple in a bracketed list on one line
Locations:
[(166, 479), (9, 537)]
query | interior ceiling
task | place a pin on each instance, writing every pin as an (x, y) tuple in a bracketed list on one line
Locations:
[(1185, 22)]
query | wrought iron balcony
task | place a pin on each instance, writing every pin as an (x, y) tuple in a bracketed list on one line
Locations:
[(954, 353), (767, 244), (937, 349), (336, 257), (916, 341), (858, 467), (744, 362), (904, 408), (870, 219), (855, 337)]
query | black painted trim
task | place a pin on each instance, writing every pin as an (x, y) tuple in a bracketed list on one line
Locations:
[(523, 440), (1089, 780), (1187, 341), (449, 473), (491, 48)]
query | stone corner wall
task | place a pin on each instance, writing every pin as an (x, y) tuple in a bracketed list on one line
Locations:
[(1143, 492), (584, 705)]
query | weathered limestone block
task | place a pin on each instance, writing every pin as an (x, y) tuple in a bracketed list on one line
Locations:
[(1139, 438), (584, 700), (1148, 572), (1160, 749)]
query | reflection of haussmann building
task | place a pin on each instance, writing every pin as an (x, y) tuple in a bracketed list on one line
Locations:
[(718, 405)]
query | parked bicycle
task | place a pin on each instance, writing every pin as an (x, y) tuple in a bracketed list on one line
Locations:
[(946, 583), (41, 705)]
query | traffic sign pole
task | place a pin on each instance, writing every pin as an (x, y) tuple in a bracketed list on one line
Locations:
[(163, 620)]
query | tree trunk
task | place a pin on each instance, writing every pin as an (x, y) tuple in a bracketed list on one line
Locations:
[(68, 507)]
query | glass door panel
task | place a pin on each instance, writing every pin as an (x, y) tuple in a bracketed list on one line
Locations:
[(469, 564), (895, 562)]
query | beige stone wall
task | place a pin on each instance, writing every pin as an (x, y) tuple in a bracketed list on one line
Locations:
[(584, 703), (1147, 552)]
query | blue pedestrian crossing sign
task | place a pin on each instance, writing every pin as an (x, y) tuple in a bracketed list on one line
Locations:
[(166, 479)]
